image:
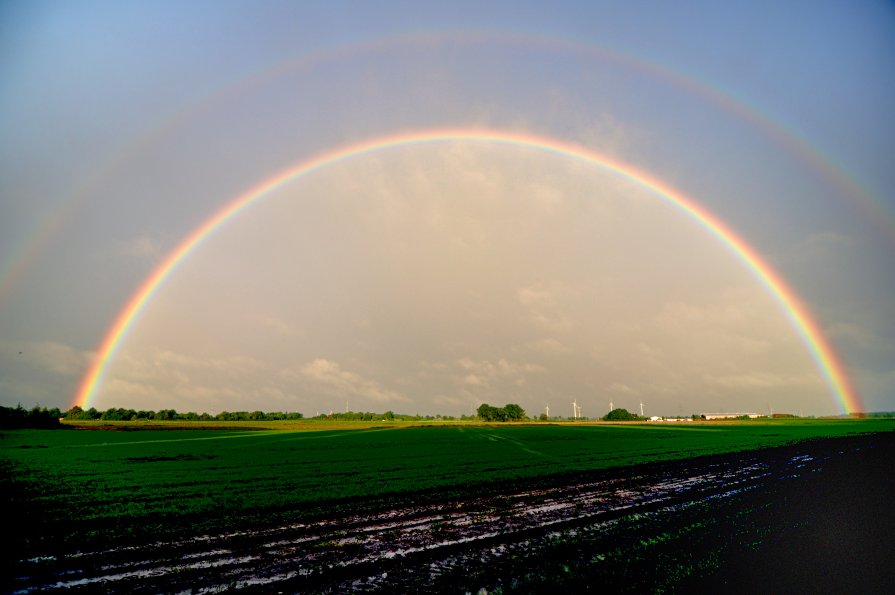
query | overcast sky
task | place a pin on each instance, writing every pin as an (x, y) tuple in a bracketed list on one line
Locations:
[(432, 278)]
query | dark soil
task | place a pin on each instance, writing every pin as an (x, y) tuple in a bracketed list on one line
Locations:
[(831, 531)]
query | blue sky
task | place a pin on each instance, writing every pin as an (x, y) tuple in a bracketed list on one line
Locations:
[(127, 125)]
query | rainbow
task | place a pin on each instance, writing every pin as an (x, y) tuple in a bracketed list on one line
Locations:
[(871, 206), (819, 348)]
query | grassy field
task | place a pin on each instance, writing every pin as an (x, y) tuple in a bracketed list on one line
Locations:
[(96, 487)]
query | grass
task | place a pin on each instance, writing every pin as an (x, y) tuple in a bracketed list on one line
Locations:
[(92, 488)]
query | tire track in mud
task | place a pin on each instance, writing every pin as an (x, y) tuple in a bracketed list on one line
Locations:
[(396, 548)]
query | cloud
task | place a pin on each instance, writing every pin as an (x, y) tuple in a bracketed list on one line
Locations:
[(47, 356), (44, 372), (345, 383), (487, 373), (171, 379), (232, 365), (819, 247), (548, 346), (278, 326), (623, 389), (731, 324), (454, 274), (473, 380), (145, 246), (765, 381), (544, 307), (858, 336)]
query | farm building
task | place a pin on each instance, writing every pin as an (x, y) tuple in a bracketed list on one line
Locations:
[(675, 419), (729, 415)]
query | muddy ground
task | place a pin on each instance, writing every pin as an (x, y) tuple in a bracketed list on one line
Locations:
[(812, 517)]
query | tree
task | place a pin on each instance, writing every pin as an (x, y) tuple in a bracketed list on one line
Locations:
[(509, 412), (165, 414), (620, 415), (513, 412), (488, 413)]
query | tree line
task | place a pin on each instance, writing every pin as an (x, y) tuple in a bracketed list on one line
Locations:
[(36, 417), (120, 414), (387, 416), (42, 417)]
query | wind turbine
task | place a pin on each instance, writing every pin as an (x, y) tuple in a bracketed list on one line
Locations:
[(547, 410), (641, 408), (575, 409)]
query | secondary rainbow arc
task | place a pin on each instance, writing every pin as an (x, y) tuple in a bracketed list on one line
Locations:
[(870, 204), (818, 346)]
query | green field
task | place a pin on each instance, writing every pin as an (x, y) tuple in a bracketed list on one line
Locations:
[(89, 488)]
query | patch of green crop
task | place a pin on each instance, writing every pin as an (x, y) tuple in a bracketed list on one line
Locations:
[(95, 487)]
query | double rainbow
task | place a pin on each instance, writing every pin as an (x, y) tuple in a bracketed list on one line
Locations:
[(817, 345), (870, 204)]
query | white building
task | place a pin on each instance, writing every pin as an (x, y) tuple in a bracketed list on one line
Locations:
[(729, 415)]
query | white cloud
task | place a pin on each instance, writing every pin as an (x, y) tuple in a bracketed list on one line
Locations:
[(345, 383), (171, 379), (473, 380), (487, 374)]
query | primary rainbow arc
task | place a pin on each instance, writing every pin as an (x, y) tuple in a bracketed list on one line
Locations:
[(809, 332)]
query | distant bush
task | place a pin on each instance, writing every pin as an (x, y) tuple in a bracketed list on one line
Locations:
[(620, 415)]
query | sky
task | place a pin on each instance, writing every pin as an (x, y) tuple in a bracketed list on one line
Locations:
[(430, 277)]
